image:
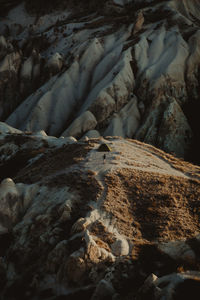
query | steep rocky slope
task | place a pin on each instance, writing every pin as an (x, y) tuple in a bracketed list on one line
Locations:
[(75, 224), (126, 68)]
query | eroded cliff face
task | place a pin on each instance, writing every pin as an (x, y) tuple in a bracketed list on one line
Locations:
[(126, 68), (75, 223)]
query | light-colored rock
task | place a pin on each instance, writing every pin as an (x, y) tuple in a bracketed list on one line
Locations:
[(105, 59), (103, 106), (80, 225), (126, 122), (120, 247), (26, 69), (5, 128), (54, 64), (92, 134), (82, 124), (11, 62), (175, 127), (164, 127), (92, 250)]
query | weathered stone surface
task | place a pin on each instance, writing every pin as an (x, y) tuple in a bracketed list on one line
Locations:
[(9, 68), (3, 47), (54, 64), (124, 227), (151, 51), (82, 124), (75, 222)]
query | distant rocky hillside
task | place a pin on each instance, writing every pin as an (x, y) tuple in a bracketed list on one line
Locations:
[(75, 224), (117, 68)]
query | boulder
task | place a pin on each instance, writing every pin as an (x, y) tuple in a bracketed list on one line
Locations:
[(54, 64), (120, 247)]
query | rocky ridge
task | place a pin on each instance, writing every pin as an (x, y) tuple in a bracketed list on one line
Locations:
[(73, 223), (76, 222), (126, 68)]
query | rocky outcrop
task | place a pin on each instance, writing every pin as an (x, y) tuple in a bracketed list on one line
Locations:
[(70, 65), (54, 64), (3, 47), (126, 122), (175, 286), (9, 68), (74, 223), (84, 123)]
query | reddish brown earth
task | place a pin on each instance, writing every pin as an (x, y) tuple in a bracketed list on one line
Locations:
[(152, 206)]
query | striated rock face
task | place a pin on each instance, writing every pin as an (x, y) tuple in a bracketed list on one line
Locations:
[(9, 68), (133, 65), (75, 223)]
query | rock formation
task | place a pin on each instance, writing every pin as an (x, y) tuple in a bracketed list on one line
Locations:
[(73, 223), (76, 222), (58, 63)]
